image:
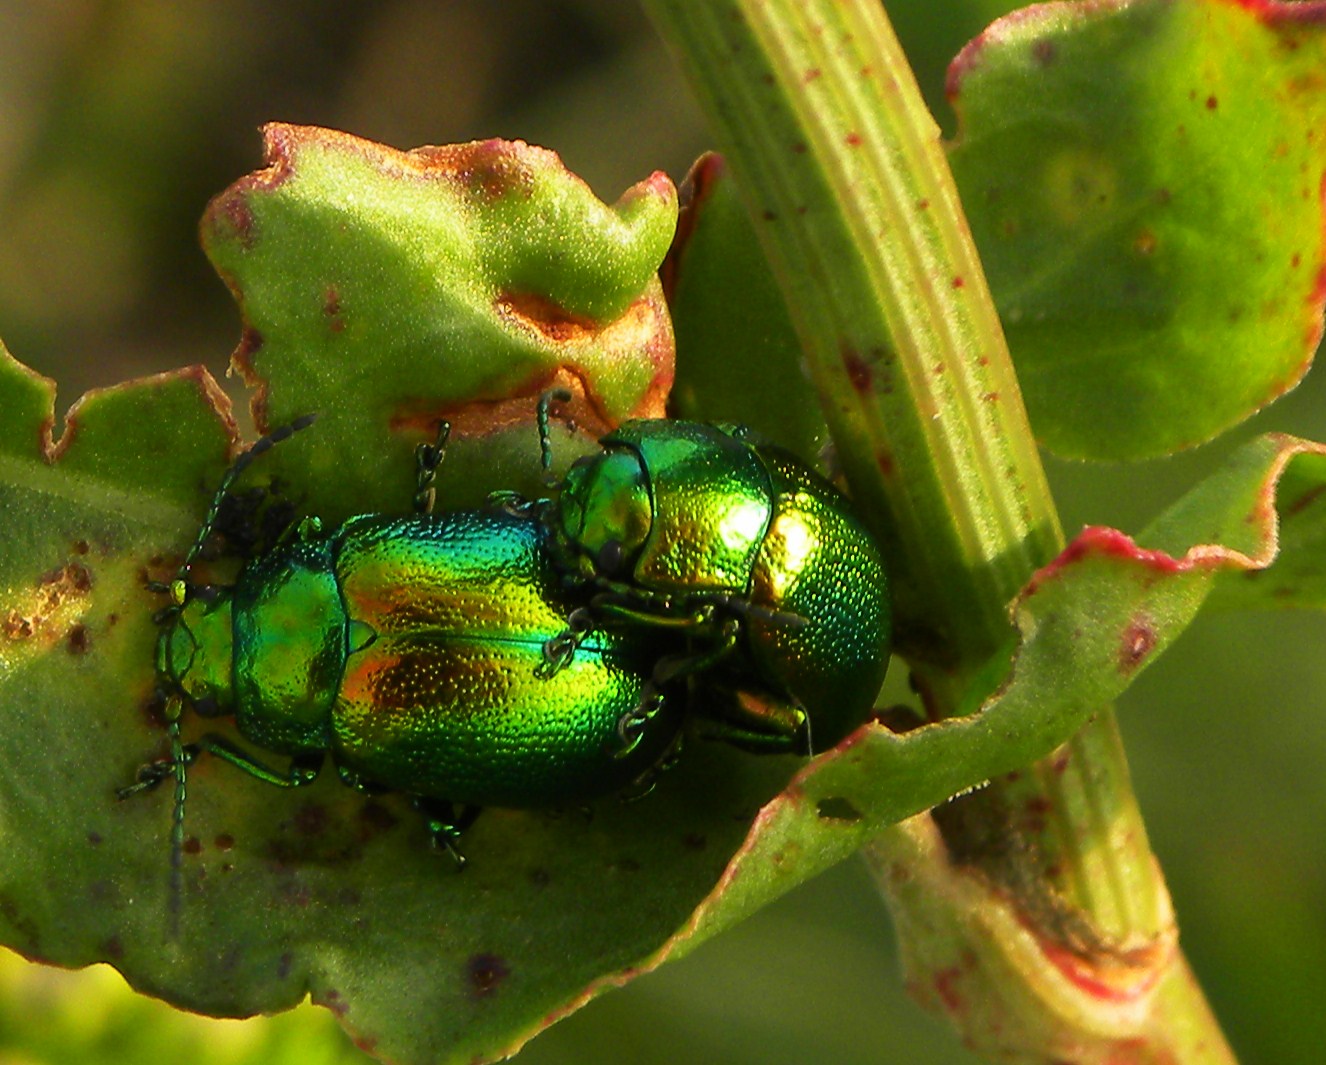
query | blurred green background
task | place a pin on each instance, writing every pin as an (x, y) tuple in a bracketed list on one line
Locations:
[(118, 120)]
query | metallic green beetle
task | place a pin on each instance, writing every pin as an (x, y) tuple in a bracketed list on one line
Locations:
[(711, 531), (409, 649)]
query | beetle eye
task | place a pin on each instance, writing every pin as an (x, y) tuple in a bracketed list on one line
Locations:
[(207, 706), (610, 557)]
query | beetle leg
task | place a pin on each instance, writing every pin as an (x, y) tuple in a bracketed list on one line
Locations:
[(303, 768), (427, 458), (631, 725), (444, 825), (647, 781), (354, 780), (762, 725), (151, 774), (674, 667), (560, 649)]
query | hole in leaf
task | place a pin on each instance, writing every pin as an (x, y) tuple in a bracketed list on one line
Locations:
[(837, 809)]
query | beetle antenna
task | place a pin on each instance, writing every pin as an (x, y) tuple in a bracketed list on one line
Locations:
[(241, 463), (179, 769), (553, 395)]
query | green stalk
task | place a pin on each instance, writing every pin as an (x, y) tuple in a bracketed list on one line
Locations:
[(840, 163)]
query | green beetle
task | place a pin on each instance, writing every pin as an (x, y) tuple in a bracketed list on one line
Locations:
[(710, 531), (410, 650)]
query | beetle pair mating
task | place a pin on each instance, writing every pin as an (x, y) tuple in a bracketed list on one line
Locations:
[(536, 653)]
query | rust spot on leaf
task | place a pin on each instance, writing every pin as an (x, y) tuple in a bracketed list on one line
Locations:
[(853, 139), (541, 314), (1044, 52), (38, 618)]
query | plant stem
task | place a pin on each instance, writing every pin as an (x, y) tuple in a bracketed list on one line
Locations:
[(842, 170)]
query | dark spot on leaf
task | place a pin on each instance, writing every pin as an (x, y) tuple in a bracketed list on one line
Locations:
[(884, 461), (1139, 640), (113, 948), (81, 547), (80, 577), (923, 205), (627, 865), (78, 641), (810, 75), (1163, 196), (310, 819), (24, 926), (799, 147), (283, 965), (1296, 260), (540, 877), (837, 808), (375, 819), (694, 841), (366, 1043), (486, 973), (853, 139), (331, 307), (946, 981), (112, 620), (331, 998), (192, 845), (224, 841), (769, 216), (858, 370), (1212, 103), (94, 838), (1145, 242), (1060, 763), (1044, 52)]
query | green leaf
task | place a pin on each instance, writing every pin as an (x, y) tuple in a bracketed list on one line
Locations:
[(390, 289), (738, 355), (1297, 541), (326, 894), (1144, 183)]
